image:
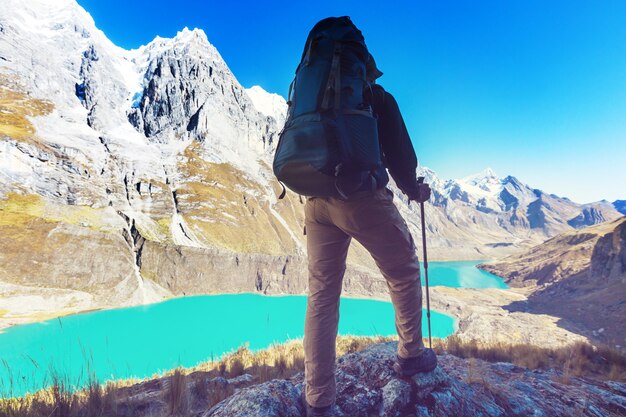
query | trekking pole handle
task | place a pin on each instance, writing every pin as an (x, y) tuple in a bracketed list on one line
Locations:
[(420, 180)]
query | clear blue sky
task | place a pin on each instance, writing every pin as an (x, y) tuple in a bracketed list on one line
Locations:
[(535, 89)]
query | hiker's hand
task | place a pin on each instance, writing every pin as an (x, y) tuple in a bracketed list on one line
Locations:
[(419, 193)]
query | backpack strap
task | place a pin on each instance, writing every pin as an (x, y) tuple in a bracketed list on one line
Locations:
[(307, 56), (343, 195), (282, 194), (334, 80), (290, 91), (337, 74)]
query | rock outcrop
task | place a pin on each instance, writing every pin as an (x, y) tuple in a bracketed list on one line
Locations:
[(187, 270), (588, 217), (368, 387)]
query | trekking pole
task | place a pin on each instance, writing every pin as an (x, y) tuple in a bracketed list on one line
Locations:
[(420, 180)]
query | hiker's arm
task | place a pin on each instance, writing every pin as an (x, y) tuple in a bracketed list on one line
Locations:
[(398, 153)]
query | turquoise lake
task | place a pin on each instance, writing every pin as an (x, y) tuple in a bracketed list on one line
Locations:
[(140, 341), (460, 274)]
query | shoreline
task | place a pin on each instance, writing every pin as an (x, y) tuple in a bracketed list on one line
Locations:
[(38, 304), (478, 313), (40, 318), (473, 311)]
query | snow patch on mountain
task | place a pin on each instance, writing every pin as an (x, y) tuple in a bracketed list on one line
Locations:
[(269, 104)]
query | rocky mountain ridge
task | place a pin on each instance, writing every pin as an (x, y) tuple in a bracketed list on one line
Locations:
[(129, 176)]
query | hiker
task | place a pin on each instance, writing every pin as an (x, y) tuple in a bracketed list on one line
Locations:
[(361, 208)]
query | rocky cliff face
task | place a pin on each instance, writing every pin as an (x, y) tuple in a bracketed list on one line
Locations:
[(130, 150), (138, 170), (589, 216), (367, 387), (579, 275)]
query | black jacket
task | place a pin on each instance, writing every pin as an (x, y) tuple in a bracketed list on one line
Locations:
[(398, 154)]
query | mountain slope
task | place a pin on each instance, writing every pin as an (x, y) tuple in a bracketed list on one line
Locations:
[(147, 170), (579, 275)]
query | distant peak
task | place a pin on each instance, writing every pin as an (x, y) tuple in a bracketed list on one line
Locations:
[(260, 90), (510, 179), (257, 89), (183, 37), (488, 173), (423, 170), (269, 104), (187, 34)]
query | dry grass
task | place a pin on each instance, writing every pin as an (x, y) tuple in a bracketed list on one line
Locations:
[(35, 230), (103, 400), (25, 209), (577, 359), (155, 229), (60, 401), (473, 372), (223, 206), (177, 395), (20, 209), (285, 360), (278, 361), (15, 109)]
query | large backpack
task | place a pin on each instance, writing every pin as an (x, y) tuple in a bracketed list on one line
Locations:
[(329, 146)]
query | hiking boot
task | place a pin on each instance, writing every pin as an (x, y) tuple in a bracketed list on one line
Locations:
[(318, 411), (315, 411), (425, 362)]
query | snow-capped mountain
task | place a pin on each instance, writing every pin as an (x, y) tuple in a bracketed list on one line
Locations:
[(270, 104), (520, 205), (131, 175), (116, 147)]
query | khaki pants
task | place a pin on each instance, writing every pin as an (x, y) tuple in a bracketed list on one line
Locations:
[(372, 219)]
